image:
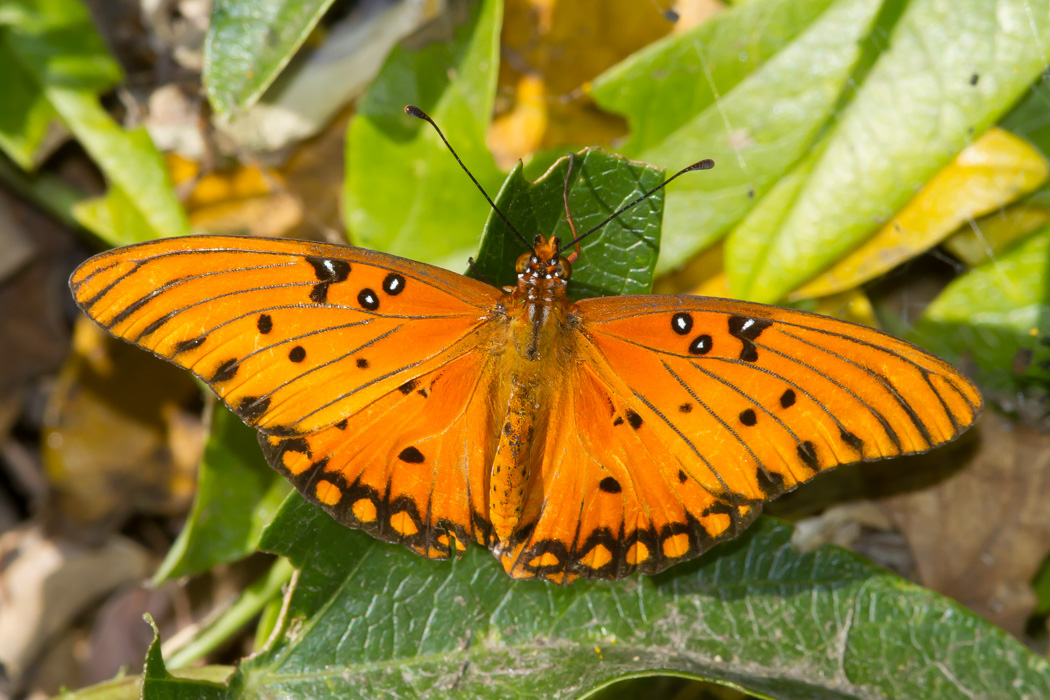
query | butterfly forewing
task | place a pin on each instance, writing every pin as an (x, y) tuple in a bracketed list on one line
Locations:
[(766, 397), (293, 336)]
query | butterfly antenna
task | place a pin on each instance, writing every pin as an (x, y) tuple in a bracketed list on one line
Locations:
[(705, 164), (416, 112), (568, 213)]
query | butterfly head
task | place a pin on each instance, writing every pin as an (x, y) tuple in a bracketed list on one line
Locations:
[(543, 263)]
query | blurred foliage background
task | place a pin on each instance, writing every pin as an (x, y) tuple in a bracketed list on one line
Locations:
[(884, 161)]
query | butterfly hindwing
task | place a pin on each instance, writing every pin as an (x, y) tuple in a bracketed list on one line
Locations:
[(411, 468), (293, 336), (610, 498)]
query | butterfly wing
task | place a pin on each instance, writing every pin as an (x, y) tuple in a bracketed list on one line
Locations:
[(361, 370), (411, 468), (689, 412), (293, 336)]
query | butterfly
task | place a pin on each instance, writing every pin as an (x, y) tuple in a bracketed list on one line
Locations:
[(593, 438)]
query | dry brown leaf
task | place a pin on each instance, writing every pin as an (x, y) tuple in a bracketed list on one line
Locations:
[(551, 50), (980, 534), (47, 582), (109, 424)]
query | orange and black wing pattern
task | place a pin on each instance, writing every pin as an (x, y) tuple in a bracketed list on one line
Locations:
[(361, 370), (687, 413), (292, 336)]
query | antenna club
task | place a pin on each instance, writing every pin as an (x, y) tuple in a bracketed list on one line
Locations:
[(705, 164), (413, 111)]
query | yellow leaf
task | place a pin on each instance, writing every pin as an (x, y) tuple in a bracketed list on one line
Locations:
[(850, 305), (245, 199), (989, 174), (988, 235)]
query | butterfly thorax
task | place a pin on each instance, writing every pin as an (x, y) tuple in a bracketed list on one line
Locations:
[(538, 314)]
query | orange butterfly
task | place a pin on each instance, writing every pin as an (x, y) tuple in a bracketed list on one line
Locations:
[(593, 438)]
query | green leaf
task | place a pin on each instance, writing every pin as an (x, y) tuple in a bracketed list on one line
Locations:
[(720, 107), (158, 684), (950, 71), (237, 495), (26, 114), (367, 618), (49, 41), (619, 259), (54, 42), (249, 42), (1030, 118), (1041, 586), (996, 317), (404, 192)]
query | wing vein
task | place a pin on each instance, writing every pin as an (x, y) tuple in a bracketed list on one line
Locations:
[(878, 376), (718, 418)]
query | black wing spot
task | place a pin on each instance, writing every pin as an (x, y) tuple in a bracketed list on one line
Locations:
[(368, 299), (748, 417), (362, 363), (634, 419), (610, 485), (225, 371), (850, 439), (408, 387), (424, 393), (681, 476), (329, 270), (686, 408), (184, 345), (681, 323), (808, 453), (411, 455), (251, 407), (771, 483), (264, 323), (701, 345), (342, 424), (319, 293), (394, 284), (618, 421), (746, 330), (787, 399), (297, 354)]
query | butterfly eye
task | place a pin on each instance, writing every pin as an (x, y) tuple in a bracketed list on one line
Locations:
[(522, 266), (564, 269)]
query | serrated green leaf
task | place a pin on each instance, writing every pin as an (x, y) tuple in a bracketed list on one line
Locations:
[(755, 125), (949, 72), (619, 259), (996, 317), (367, 618), (55, 43), (237, 495), (248, 44), (404, 192)]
